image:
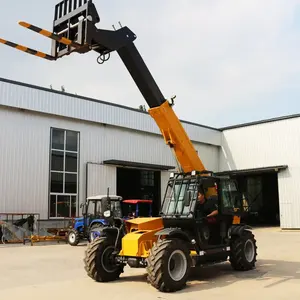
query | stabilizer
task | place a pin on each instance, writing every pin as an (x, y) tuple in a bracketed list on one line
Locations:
[(49, 34), (27, 50)]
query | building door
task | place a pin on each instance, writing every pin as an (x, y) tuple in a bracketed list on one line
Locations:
[(140, 184), (261, 199)]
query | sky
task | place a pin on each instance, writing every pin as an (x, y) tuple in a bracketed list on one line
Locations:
[(227, 61)]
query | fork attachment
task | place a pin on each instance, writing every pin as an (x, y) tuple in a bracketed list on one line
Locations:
[(27, 50), (49, 34), (71, 19)]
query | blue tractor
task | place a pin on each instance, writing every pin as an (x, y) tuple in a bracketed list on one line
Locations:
[(92, 220)]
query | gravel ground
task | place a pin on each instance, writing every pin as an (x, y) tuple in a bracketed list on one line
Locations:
[(56, 272)]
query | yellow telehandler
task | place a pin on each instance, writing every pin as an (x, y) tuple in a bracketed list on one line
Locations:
[(184, 234)]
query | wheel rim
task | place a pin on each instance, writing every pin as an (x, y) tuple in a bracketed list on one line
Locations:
[(107, 260), (93, 235), (72, 237), (177, 265), (249, 250)]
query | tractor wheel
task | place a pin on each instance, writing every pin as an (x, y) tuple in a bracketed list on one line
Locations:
[(99, 262), (73, 237), (168, 265), (243, 252)]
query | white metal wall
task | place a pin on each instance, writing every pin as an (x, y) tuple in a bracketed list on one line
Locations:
[(71, 106), (269, 144), (24, 159), (100, 178)]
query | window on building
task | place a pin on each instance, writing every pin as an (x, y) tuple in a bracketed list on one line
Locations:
[(64, 166), (147, 178)]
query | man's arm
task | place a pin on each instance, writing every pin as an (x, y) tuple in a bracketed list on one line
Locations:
[(214, 206), (213, 213)]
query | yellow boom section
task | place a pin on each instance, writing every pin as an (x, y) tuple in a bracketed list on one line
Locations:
[(176, 137)]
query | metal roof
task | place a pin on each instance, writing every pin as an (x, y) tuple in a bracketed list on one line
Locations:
[(143, 112), (260, 122), (253, 171), (123, 163), (91, 99)]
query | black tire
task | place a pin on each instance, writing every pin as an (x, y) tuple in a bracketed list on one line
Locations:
[(97, 266), (73, 237), (243, 252), (159, 275)]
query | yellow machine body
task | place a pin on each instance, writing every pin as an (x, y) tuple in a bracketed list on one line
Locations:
[(140, 236), (141, 231)]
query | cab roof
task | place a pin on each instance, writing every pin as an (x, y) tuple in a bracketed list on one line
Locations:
[(135, 201), (100, 197)]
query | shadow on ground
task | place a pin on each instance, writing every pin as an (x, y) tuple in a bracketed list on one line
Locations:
[(221, 275)]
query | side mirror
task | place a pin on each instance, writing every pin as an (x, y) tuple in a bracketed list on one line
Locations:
[(187, 198)]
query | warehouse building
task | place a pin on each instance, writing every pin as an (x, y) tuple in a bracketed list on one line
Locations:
[(58, 148), (265, 158)]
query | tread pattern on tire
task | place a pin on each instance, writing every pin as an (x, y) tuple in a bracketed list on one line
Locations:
[(156, 265), (237, 257), (91, 264)]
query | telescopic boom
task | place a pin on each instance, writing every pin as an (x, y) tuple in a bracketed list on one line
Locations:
[(75, 31)]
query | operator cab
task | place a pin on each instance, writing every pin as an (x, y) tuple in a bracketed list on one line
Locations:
[(182, 208), (95, 205)]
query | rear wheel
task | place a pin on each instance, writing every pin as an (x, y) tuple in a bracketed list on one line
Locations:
[(99, 260), (243, 252), (73, 237), (168, 265)]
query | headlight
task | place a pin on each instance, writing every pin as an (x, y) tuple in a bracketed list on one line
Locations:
[(107, 214)]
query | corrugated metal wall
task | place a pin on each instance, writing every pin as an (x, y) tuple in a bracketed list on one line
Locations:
[(19, 96), (100, 178), (269, 144), (24, 163), (24, 159)]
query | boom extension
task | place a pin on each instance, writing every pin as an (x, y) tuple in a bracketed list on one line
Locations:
[(176, 137), (74, 30)]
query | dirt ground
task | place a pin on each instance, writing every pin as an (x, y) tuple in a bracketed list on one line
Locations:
[(56, 272)]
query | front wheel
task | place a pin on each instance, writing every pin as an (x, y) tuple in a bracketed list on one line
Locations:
[(168, 265), (99, 260), (243, 252), (73, 237)]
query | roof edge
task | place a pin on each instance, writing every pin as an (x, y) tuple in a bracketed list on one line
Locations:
[(281, 118), (10, 81), (253, 170)]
